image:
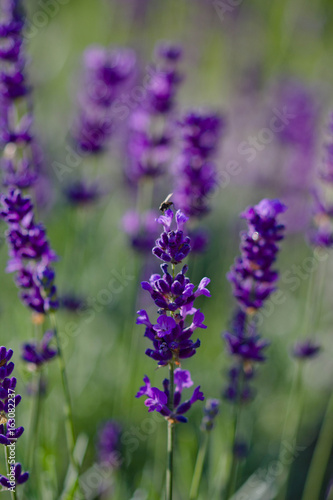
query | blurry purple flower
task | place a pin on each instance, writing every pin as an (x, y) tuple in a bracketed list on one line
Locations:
[(306, 349), (83, 193), (211, 410), (108, 444), (251, 275), (38, 353)]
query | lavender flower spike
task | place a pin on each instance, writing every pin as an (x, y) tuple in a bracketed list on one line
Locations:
[(252, 276)]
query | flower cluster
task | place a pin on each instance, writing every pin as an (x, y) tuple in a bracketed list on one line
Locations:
[(30, 253), (253, 281), (21, 156), (8, 402), (106, 72), (108, 445), (211, 410), (305, 349), (172, 246), (36, 354), (150, 131), (158, 400), (246, 348), (251, 275), (195, 171), (174, 295)]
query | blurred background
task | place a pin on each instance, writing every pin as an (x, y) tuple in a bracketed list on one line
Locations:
[(247, 61)]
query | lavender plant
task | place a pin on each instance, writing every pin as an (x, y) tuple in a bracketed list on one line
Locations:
[(253, 280), (174, 295)]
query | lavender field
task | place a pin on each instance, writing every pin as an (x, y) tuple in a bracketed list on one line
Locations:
[(166, 234)]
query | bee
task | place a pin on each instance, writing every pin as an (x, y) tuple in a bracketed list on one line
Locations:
[(166, 203)]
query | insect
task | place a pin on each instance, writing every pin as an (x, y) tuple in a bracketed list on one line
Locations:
[(166, 203)]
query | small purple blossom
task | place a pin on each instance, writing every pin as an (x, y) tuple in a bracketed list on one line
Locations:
[(195, 172), (108, 444), (211, 410), (306, 349), (157, 400), (39, 353)]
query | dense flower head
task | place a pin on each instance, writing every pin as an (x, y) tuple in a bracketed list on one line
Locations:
[(211, 410), (108, 444), (172, 246), (106, 71), (306, 349), (159, 401), (238, 388), (151, 130), (83, 192), (246, 344), (30, 253), (38, 353), (195, 171), (251, 275), (299, 104)]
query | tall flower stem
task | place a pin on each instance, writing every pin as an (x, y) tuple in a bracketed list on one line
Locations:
[(34, 426), (171, 437), (198, 467), (289, 432), (231, 486), (69, 423), (320, 456)]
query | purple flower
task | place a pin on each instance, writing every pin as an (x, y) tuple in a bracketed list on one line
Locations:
[(20, 477), (251, 276), (108, 444), (195, 172), (30, 253), (158, 400), (238, 388), (151, 132), (211, 410), (105, 73), (172, 246), (306, 349), (38, 353), (83, 193)]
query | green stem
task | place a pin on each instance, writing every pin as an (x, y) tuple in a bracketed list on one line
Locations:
[(171, 436), (291, 426), (34, 427), (231, 486), (320, 456), (69, 423), (198, 467)]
